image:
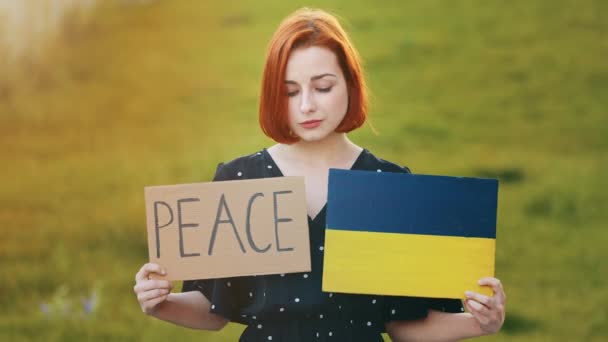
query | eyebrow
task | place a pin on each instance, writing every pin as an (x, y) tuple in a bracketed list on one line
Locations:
[(316, 77)]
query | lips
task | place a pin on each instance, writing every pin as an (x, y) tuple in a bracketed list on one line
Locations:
[(310, 123)]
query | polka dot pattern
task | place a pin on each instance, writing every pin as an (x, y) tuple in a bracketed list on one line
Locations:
[(275, 306)]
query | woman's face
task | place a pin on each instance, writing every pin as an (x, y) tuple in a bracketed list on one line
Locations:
[(317, 93)]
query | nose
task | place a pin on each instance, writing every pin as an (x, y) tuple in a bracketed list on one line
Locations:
[(308, 104)]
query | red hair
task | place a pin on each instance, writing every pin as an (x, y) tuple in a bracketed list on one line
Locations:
[(305, 28)]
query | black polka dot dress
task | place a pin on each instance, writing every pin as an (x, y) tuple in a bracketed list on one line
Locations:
[(292, 307)]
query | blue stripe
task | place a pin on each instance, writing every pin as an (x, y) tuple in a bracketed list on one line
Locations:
[(412, 204)]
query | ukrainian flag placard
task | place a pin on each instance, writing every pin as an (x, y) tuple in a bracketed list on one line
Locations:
[(409, 235)]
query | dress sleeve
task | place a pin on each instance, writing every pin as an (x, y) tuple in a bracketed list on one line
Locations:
[(445, 304), (400, 308), (225, 294), (397, 308)]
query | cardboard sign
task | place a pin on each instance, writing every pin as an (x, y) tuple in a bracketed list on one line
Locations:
[(409, 235), (229, 228)]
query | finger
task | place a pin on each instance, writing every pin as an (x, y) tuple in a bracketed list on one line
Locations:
[(154, 302), (478, 308), (496, 285), (146, 296), (478, 311), (147, 285), (142, 273), (147, 269), (476, 314), (485, 300)]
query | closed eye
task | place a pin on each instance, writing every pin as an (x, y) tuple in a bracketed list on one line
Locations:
[(321, 90)]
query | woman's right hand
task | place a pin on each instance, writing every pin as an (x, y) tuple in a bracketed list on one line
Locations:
[(151, 292)]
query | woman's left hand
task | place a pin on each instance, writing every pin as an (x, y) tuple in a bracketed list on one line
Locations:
[(488, 311)]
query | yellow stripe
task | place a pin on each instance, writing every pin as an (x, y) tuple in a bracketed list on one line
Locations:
[(406, 264)]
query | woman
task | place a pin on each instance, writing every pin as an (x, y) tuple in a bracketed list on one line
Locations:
[(313, 94)]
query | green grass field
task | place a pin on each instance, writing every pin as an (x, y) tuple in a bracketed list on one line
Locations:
[(160, 93)]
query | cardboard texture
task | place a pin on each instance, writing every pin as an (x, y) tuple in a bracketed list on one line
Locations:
[(409, 235), (228, 228)]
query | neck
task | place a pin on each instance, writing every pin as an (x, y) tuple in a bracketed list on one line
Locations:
[(333, 147)]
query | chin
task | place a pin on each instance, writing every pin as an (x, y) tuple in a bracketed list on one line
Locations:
[(313, 136)]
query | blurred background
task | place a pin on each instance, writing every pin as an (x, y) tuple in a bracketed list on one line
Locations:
[(101, 98)]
